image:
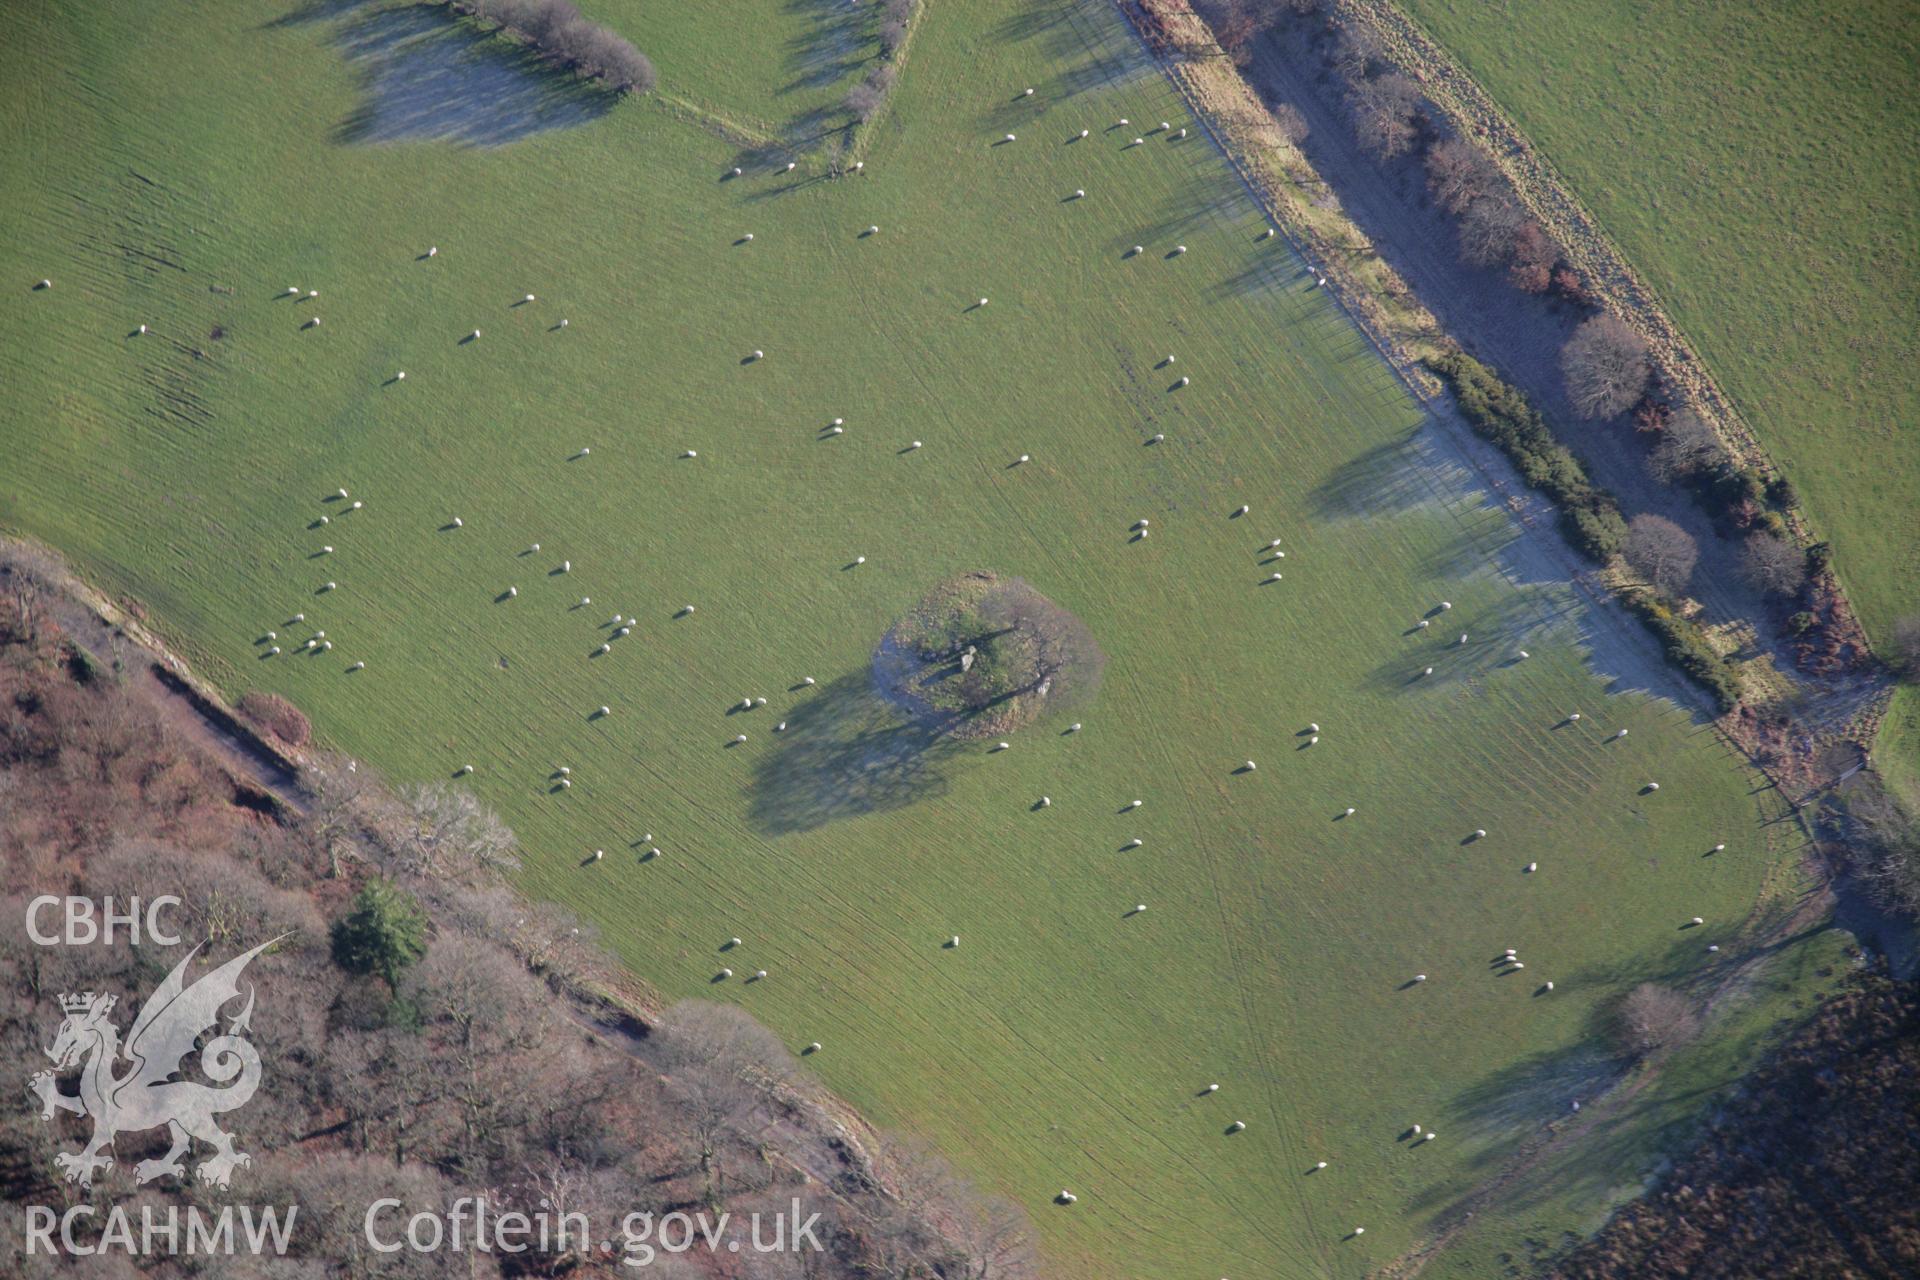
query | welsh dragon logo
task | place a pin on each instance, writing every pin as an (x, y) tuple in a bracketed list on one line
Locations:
[(144, 1095)]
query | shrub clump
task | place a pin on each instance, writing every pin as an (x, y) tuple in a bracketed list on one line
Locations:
[(275, 715), (981, 654), (1589, 516), (1687, 648)]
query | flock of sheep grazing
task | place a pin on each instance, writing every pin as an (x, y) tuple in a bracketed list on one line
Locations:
[(339, 504)]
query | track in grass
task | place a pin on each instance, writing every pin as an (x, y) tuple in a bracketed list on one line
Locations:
[(641, 445)]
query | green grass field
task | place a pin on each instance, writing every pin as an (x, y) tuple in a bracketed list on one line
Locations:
[(1754, 162), (180, 169)]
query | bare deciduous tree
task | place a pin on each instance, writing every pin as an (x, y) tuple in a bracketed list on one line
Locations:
[(1384, 112), (1661, 552), (1458, 173), (1772, 563), (1605, 366), (1687, 447), (1488, 226), (451, 834), (1355, 50), (1651, 1016)]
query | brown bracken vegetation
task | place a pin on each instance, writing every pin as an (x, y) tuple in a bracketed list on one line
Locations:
[(1810, 1171)]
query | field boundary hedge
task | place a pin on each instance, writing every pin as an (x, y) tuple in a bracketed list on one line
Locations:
[(1405, 333)]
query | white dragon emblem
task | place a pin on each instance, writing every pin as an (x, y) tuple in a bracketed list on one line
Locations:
[(145, 1096)]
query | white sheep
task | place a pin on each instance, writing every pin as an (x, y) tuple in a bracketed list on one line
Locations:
[(528, 298), (1179, 249), (458, 523), (1242, 509), (1212, 1088), (1237, 1126), (1135, 804), (1532, 867), (357, 505), (1134, 843), (1273, 577), (599, 854), (1046, 802), (433, 251), (807, 680), (606, 711), (914, 445), (1445, 605), (1074, 727), (1351, 811), (1419, 977), (1249, 766), (739, 737), (748, 236)]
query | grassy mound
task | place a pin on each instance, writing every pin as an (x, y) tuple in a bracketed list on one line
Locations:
[(981, 654)]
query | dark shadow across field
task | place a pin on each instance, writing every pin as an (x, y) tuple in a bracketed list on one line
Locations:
[(847, 752), (427, 77)]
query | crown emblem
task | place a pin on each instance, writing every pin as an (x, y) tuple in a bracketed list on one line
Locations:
[(77, 1004)]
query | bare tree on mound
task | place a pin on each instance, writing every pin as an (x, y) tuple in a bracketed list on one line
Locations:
[(981, 654), (1605, 366), (1661, 552)]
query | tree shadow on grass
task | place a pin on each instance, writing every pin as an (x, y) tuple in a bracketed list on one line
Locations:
[(836, 41), (428, 77), (847, 752)]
